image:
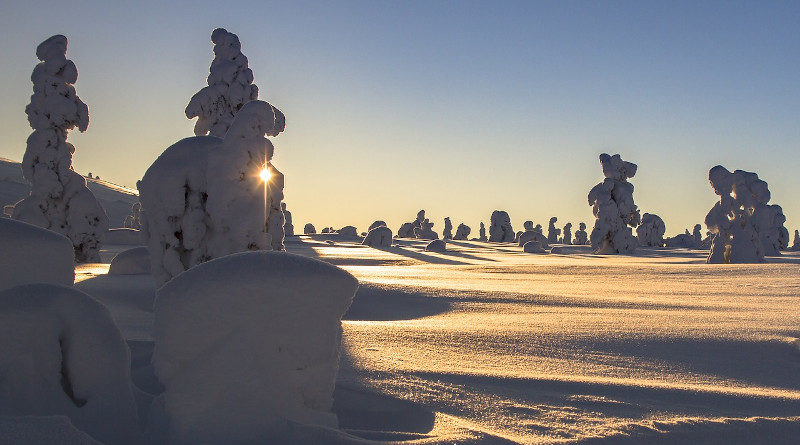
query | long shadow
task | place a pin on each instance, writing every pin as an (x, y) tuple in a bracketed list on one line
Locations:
[(467, 256), (421, 256), (376, 303)]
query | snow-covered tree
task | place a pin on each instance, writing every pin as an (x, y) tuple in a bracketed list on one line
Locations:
[(204, 196), (230, 86), (651, 231), (59, 199), (613, 207), (500, 230)]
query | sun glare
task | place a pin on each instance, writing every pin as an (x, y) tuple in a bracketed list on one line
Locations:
[(265, 174)]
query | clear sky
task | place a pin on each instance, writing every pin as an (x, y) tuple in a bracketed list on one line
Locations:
[(459, 108)]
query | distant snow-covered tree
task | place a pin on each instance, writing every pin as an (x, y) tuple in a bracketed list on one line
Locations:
[(59, 199)]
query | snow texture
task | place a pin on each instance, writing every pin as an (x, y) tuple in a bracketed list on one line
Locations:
[(222, 385), (130, 262), (30, 254), (447, 233), (482, 233), (436, 245), (42, 430), (59, 199), (552, 232), (379, 236), (500, 230), (745, 228), (61, 354), (567, 238), (581, 237), (651, 231), (309, 229), (462, 232), (203, 197), (288, 227), (129, 237), (613, 207), (230, 86)]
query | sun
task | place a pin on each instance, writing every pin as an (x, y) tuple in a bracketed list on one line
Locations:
[(265, 174)]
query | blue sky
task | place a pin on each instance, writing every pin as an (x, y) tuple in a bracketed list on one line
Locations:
[(459, 108)]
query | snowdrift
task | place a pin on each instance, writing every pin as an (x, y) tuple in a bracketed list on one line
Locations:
[(31, 254), (247, 347)]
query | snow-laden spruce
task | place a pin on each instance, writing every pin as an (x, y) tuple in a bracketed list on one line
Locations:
[(377, 223), (309, 229), (30, 254), (500, 230), (247, 346), (651, 230), (410, 229), (204, 198), (61, 354), (581, 237), (552, 232), (744, 227), (288, 227), (532, 233), (447, 233), (230, 86), (482, 233), (425, 230), (378, 236), (613, 207), (462, 232), (59, 199), (134, 219), (567, 231)]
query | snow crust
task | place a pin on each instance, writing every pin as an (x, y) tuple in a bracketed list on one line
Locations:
[(247, 344), (30, 254), (613, 207), (61, 354), (59, 199)]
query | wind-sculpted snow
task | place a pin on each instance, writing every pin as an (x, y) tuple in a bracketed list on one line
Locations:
[(230, 86), (59, 199), (61, 354), (247, 367), (203, 197), (745, 228), (30, 254), (651, 231), (613, 208), (500, 230), (130, 262)]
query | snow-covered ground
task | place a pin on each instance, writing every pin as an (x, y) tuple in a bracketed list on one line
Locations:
[(486, 344), (115, 199)]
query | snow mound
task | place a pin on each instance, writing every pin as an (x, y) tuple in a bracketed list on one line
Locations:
[(247, 344), (436, 246), (30, 254), (380, 236), (651, 231), (124, 237), (131, 262), (348, 231), (533, 247), (61, 354)]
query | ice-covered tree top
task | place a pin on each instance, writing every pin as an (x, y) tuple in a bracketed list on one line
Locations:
[(230, 86), (54, 103)]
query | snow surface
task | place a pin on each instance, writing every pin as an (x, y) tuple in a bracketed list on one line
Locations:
[(130, 262), (30, 254), (124, 236), (248, 345), (61, 354)]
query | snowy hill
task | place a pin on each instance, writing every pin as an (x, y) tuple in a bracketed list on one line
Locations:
[(115, 199)]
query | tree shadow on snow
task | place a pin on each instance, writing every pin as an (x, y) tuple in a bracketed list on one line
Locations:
[(376, 303)]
